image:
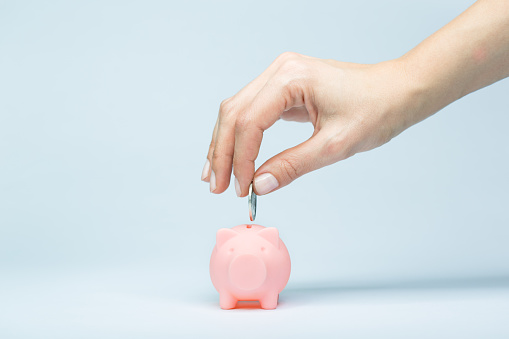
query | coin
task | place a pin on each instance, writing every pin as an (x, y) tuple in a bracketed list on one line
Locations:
[(251, 202)]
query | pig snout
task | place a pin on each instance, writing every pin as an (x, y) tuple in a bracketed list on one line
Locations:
[(247, 272)]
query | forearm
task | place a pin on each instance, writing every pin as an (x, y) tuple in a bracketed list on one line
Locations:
[(469, 53), (354, 108)]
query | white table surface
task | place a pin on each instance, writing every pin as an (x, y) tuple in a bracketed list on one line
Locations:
[(151, 303)]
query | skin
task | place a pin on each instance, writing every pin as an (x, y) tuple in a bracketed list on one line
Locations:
[(354, 107)]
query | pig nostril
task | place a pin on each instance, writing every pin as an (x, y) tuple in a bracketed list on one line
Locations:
[(249, 226)]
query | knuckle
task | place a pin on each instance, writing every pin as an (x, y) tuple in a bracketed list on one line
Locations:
[(331, 148), (295, 75), (289, 168), (296, 66), (215, 157), (218, 158), (291, 90), (222, 153), (337, 148), (290, 84), (287, 56), (226, 107), (239, 163)]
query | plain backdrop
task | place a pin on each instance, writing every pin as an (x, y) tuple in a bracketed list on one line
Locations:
[(106, 114)]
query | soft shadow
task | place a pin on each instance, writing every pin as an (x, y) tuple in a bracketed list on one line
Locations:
[(307, 293), (316, 292), (248, 305)]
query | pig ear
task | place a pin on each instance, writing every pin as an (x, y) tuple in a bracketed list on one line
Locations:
[(223, 235), (271, 234)]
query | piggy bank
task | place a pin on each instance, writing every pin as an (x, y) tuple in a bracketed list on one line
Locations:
[(249, 262)]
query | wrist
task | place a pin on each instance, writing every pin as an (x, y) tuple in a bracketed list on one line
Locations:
[(424, 92), (405, 98)]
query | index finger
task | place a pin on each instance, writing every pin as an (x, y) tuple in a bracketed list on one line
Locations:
[(266, 108)]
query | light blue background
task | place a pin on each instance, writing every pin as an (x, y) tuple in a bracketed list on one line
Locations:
[(106, 113)]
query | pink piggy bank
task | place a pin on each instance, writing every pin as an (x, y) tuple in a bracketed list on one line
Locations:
[(249, 262)]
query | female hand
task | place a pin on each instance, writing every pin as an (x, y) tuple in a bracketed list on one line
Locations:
[(353, 108)]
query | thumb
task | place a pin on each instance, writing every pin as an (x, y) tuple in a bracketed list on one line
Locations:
[(285, 167)]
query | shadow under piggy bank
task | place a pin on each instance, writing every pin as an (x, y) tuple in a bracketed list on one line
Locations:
[(319, 293)]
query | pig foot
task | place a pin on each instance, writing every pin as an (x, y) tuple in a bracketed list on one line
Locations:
[(227, 301), (269, 302)]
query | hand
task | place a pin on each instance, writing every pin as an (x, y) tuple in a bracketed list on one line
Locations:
[(353, 108)]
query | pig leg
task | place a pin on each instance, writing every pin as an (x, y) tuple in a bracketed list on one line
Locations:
[(227, 301), (269, 301)]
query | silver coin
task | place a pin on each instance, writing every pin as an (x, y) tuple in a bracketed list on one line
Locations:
[(251, 202)]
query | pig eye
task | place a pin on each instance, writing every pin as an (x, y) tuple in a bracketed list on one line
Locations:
[(263, 249)]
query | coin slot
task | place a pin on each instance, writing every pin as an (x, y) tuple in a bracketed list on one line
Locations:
[(249, 226)]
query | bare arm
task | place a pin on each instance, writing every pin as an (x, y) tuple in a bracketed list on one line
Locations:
[(469, 53), (353, 107)]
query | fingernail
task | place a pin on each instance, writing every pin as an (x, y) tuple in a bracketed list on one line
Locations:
[(205, 171), (212, 181), (237, 187), (265, 183)]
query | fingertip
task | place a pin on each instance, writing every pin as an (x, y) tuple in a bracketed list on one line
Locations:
[(220, 190), (238, 190), (265, 183), (205, 171), (212, 181), (219, 180), (243, 179)]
